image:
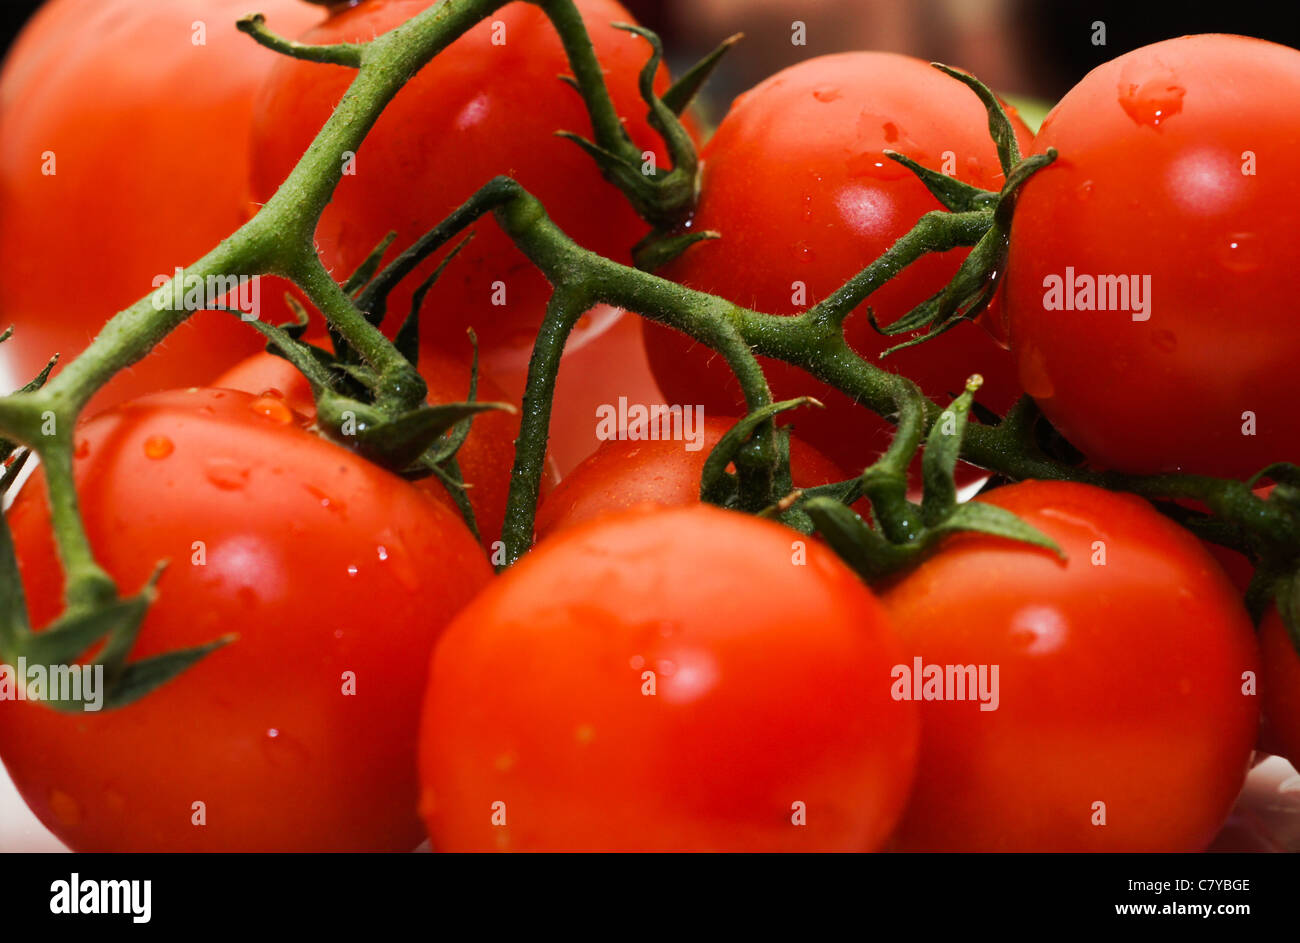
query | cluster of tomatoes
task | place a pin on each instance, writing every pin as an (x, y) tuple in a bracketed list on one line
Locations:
[(655, 674)]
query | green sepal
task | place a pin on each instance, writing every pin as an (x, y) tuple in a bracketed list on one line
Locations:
[(990, 519), (717, 485), (939, 458), (857, 544), (657, 250), (955, 195), (683, 91), (1003, 134)]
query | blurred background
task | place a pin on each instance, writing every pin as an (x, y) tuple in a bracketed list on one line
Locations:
[(1029, 48)]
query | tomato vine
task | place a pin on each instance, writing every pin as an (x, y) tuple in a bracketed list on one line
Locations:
[(397, 427)]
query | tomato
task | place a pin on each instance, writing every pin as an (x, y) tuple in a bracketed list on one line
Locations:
[(328, 570), (1121, 681), (1280, 688), (485, 460), (624, 473), (795, 182), (126, 126), (489, 104), (1156, 184), (679, 679)]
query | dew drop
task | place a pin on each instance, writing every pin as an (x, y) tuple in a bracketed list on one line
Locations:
[(382, 553), (158, 447), (226, 474), (283, 750), (1084, 191), (827, 93), (272, 409), (1152, 101), (1241, 252)]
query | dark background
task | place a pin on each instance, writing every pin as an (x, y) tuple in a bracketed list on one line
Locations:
[(1029, 47)]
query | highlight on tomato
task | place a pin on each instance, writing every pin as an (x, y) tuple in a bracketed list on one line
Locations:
[(1149, 278), (331, 576), (797, 184), (1122, 697), (683, 679)]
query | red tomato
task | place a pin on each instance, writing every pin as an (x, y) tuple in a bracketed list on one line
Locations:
[(104, 182), (795, 181), (622, 474), (325, 567), (489, 104), (486, 458), (1279, 688), (1156, 183), (1120, 682), (770, 704)]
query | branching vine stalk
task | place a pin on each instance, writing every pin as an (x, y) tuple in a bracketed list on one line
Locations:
[(278, 240)]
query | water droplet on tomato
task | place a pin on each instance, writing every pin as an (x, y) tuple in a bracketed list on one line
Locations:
[(284, 750), (226, 474), (805, 253), (877, 166), (352, 569), (272, 409), (827, 93), (1084, 191), (273, 393), (1241, 252), (1152, 101), (325, 500), (382, 552), (158, 447)]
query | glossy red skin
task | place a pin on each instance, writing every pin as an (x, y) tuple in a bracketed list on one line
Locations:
[(116, 89), (1129, 195), (791, 183), (291, 514), (777, 693), (485, 460), (1279, 688), (624, 474), (1120, 683), (475, 111)]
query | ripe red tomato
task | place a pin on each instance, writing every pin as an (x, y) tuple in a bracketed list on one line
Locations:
[(1119, 682), (102, 186), (489, 104), (325, 567), (770, 697), (1280, 688), (622, 474), (795, 181), (1156, 182), (485, 460)]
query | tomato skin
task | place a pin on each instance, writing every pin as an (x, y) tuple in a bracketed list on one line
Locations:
[(1168, 200), (1119, 683), (1279, 688), (622, 474), (260, 731), (413, 168), (485, 460), (772, 697), (116, 89), (795, 182)]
